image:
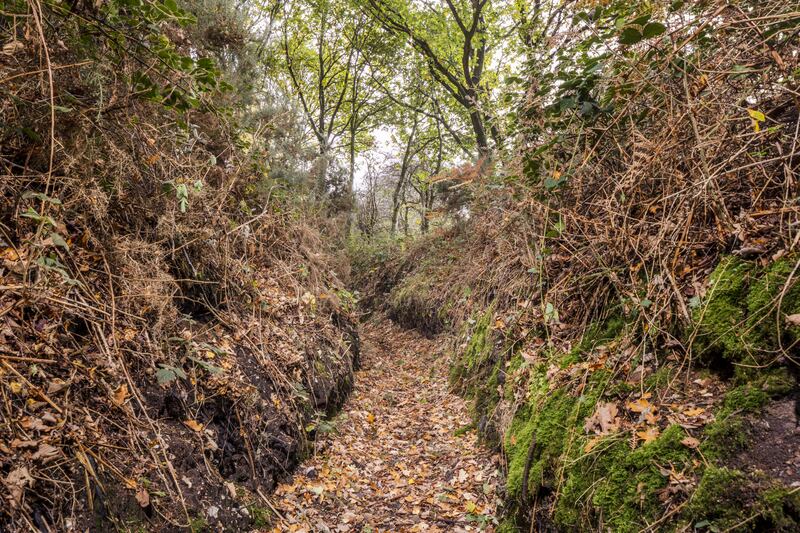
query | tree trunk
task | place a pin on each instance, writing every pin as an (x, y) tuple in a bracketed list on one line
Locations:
[(397, 195)]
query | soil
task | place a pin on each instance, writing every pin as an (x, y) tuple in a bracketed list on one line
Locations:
[(774, 445), (400, 456)]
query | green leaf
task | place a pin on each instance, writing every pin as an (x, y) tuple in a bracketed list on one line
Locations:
[(32, 214), (165, 375), (756, 115), (641, 21), (208, 367), (630, 36), (653, 29), (41, 196), (58, 240)]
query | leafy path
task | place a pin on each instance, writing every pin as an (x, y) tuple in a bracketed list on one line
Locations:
[(395, 459)]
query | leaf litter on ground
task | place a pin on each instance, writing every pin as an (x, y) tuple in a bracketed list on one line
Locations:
[(398, 459)]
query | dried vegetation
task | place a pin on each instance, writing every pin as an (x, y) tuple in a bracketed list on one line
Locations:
[(169, 324)]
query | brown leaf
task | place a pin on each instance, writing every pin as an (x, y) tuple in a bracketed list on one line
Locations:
[(46, 453), (143, 497), (16, 481), (639, 406), (693, 412), (690, 442), (604, 418), (793, 320), (120, 395)]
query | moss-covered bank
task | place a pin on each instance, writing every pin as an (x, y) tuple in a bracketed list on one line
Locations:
[(534, 400)]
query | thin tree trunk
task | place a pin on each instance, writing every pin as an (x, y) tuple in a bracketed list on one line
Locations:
[(398, 189)]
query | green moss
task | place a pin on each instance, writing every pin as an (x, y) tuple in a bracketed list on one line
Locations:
[(660, 378), (508, 525), (779, 509), (729, 433), (596, 334), (777, 382), (730, 500), (618, 484), (718, 502), (745, 398), (552, 420), (718, 320), (198, 524), (262, 517), (476, 352), (724, 437), (739, 320), (765, 322)]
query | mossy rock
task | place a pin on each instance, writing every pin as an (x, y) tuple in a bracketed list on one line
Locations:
[(720, 317), (739, 320), (619, 487), (730, 500), (465, 366)]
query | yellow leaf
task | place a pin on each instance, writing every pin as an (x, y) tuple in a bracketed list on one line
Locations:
[(470, 506), (194, 425), (694, 412), (639, 406), (15, 386), (130, 483), (371, 418), (756, 115), (648, 435)]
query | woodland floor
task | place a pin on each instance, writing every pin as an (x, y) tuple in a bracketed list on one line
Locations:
[(398, 457)]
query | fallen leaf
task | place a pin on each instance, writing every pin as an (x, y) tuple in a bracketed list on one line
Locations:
[(690, 442), (371, 418), (793, 320), (143, 497), (57, 385), (639, 406), (45, 453), (194, 425), (648, 435), (693, 412), (120, 395), (604, 418), (16, 481)]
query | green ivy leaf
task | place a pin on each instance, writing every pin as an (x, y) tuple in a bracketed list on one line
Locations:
[(653, 29), (630, 36)]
